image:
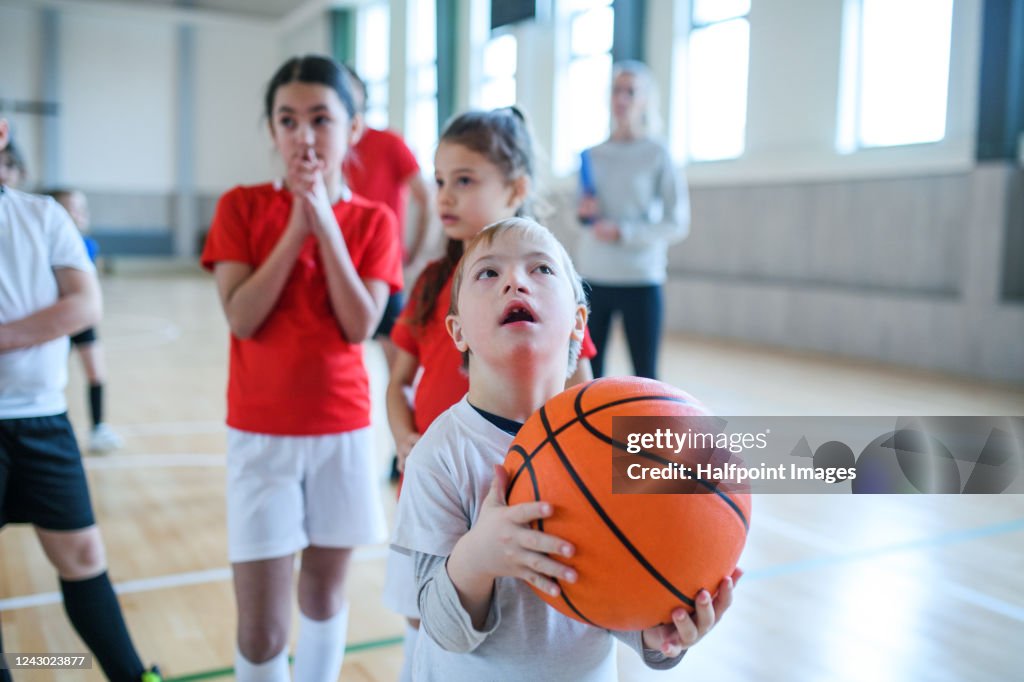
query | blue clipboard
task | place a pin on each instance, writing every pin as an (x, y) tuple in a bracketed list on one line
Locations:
[(587, 174)]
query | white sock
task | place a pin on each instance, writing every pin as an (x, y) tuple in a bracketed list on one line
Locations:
[(408, 649), (321, 647), (274, 670)]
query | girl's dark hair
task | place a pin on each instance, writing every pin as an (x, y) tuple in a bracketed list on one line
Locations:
[(311, 68), (501, 136), (358, 84), (432, 280)]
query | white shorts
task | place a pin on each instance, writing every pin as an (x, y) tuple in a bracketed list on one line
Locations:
[(286, 493), (400, 585)]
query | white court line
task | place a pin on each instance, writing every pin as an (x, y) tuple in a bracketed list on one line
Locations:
[(171, 428), (107, 462), (982, 600), (947, 587), (797, 533), (163, 582)]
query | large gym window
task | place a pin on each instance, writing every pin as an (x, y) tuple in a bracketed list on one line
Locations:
[(895, 73), (715, 65), (421, 112), (499, 72), (372, 59), (583, 108)]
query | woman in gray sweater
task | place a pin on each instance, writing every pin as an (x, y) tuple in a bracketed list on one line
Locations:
[(633, 205)]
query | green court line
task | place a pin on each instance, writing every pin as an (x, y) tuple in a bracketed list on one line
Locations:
[(350, 649)]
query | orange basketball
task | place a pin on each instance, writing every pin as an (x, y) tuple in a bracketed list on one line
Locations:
[(638, 556)]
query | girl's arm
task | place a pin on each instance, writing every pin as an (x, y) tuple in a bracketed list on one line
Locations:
[(357, 303), (247, 294), (400, 414)]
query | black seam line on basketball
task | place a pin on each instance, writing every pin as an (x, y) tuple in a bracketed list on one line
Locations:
[(547, 428), (568, 602), (710, 486), (533, 479), (581, 417), (576, 419), (527, 459), (596, 506)]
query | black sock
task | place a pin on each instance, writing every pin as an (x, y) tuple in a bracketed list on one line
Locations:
[(5, 674), (96, 616), (96, 403)]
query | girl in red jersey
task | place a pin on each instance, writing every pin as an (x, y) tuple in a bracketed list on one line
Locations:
[(303, 270), (484, 171)]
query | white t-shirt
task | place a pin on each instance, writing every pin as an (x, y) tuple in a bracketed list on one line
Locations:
[(447, 477), (36, 237)]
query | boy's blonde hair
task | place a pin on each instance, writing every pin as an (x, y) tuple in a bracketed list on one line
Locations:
[(524, 228)]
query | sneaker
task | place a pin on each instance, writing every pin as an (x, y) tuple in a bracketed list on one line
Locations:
[(152, 675), (104, 439)]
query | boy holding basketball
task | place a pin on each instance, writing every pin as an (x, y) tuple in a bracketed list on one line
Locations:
[(517, 313)]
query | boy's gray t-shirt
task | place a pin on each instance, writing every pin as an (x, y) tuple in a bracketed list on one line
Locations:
[(447, 477)]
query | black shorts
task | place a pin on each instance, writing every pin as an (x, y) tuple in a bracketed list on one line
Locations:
[(391, 313), (42, 481), (84, 336)]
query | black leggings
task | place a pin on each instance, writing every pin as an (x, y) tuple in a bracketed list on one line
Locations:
[(641, 308)]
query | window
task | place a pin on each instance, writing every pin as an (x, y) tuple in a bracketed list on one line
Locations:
[(583, 107), (421, 116), (895, 73), (715, 66), (499, 72), (372, 58)]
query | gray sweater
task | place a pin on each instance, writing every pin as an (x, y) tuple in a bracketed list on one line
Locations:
[(639, 189)]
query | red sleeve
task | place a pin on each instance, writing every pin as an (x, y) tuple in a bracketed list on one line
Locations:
[(403, 159), (228, 236), (383, 256), (587, 349)]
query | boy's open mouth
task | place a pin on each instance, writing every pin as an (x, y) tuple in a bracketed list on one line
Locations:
[(517, 312)]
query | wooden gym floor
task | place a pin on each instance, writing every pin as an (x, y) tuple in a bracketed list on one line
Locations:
[(836, 588)]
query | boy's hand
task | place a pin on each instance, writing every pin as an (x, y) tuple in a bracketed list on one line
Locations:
[(503, 544), (686, 629)]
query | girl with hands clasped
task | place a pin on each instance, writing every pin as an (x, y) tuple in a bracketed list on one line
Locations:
[(303, 270), (518, 314)]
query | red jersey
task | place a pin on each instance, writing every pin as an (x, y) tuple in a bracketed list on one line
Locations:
[(444, 380), (297, 375), (378, 167)]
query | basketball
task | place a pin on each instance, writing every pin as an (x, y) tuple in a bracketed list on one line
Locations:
[(638, 556)]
